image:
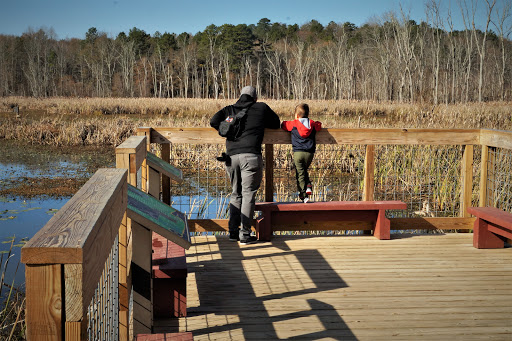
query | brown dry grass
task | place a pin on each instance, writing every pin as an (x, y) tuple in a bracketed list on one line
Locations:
[(108, 121)]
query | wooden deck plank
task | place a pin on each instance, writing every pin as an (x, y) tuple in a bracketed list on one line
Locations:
[(431, 287)]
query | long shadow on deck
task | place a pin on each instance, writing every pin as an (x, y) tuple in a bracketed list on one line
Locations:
[(248, 290)]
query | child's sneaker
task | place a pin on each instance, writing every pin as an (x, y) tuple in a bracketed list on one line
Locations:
[(306, 199), (309, 190)]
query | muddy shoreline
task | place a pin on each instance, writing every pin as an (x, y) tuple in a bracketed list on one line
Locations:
[(38, 171)]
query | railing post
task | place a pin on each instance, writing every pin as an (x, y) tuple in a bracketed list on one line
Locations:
[(483, 176), (129, 155), (145, 131), (369, 180), (44, 319), (269, 172), (125, 161), (369, 170), (166, 181), (491, 177), (466, 180)]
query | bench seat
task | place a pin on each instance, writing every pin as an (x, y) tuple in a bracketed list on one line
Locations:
[(491, 227), (290, 212), (169, 272)]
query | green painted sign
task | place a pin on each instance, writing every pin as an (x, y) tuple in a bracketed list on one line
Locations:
[(158, 217), (164, 167)]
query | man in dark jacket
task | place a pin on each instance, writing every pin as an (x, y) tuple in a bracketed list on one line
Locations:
[(244, 163)]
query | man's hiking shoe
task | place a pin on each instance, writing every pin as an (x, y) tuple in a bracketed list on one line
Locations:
[(309, 190), (234, 237), (249, 240)]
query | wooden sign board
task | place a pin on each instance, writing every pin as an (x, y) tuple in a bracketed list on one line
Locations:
[(163, 167), (158, 217)]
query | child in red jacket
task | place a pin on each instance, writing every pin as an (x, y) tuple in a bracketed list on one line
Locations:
[(303, 131)]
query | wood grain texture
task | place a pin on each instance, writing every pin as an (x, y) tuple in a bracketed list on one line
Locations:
[(483, 176), (132, 145), (449, 223), (135, 145), (166, 180), (491, 177), (186, 336), (81, 279), (154, 182), (269, 172), (466, 180), (123, 243), (74, 303), (44, 310), (369, 170), (123, 325), (69, 237), (144, 131), (205, 225), (496, 138), (373, 136), (412, 287), (98, 247), (330, 205), (494, 215), (75, 331)]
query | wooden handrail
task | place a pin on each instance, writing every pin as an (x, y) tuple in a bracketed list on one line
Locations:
[(496, 138), (375, 136), (65, 259), (353, 136)]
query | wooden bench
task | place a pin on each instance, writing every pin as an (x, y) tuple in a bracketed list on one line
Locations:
[(169, 271), (290, 212), (492, 226)]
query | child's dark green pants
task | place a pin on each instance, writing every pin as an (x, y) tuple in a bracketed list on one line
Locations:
[(302, 161)]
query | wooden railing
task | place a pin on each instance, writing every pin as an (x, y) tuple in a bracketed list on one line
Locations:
[(66, 261), (467, 138), (88, 270), (71, 259), (79, 275)]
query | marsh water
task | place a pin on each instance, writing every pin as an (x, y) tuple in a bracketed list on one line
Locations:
[(35, 182)]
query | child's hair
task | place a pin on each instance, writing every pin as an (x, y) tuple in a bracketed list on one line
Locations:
[(302, 110)]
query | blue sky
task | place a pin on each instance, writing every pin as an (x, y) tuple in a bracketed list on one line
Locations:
[(72, 18)]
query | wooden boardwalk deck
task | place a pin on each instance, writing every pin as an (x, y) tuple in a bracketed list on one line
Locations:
[(434, 287)]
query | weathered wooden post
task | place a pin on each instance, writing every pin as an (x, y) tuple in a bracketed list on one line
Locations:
[(131, 155), (269, 172), (145, 131), (369, 170), (466, 180)]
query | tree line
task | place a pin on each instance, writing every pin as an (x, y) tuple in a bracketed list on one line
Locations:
[(389, 58)]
